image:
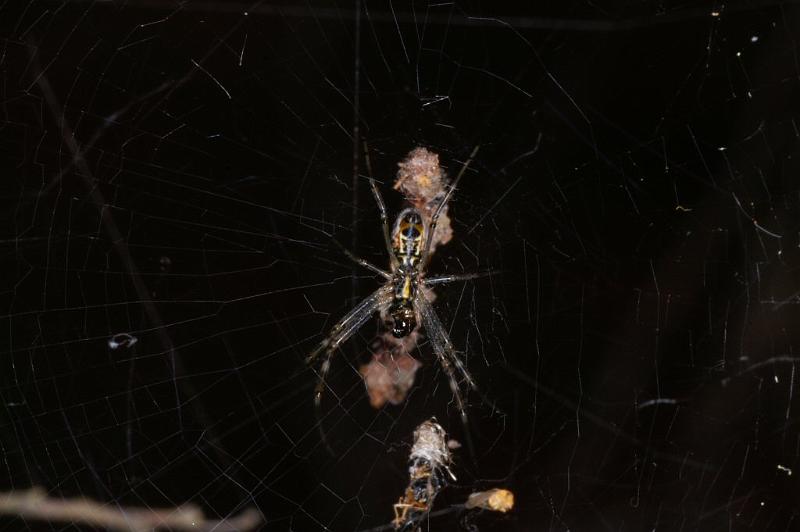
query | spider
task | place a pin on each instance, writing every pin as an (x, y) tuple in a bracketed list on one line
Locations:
[(402, 296)]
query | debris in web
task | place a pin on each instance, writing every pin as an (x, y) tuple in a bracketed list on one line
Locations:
[(122, 340), (496, 500), (35, 504), (424, 185), (428, 470), (390, 373)]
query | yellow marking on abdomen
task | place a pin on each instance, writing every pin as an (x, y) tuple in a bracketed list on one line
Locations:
[(406, 291)]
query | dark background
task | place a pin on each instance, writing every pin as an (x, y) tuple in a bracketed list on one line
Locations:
[(172, 171)]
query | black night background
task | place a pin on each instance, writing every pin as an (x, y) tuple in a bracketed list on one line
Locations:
[(172, 175)]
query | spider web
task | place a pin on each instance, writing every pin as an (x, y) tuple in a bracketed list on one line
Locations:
[(173, 174)]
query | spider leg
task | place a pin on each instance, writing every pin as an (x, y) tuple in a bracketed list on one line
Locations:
[(362, 262), (444, 349), (444, 279), (344, 329), (440, 208), (382, 208)]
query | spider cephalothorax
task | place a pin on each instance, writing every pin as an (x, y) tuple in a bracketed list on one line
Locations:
[(404, 319), (402, 296)]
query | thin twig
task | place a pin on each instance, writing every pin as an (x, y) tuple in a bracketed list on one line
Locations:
[(34, 504)]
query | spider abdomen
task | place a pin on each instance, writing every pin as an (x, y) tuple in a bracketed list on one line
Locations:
[(408, 239)]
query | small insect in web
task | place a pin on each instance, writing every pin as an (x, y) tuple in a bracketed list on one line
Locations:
[(427, 464), (403, 295)]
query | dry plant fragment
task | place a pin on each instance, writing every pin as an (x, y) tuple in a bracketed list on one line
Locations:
[(427, 464), (390, 373), (424, 185), (34, 504), (496, 500)]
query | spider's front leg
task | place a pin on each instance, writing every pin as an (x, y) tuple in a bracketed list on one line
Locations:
[(444, 349), (344, 329)]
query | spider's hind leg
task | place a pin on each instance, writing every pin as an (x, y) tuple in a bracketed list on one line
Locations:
[(426, 251), (361, 262), (381, 208)]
